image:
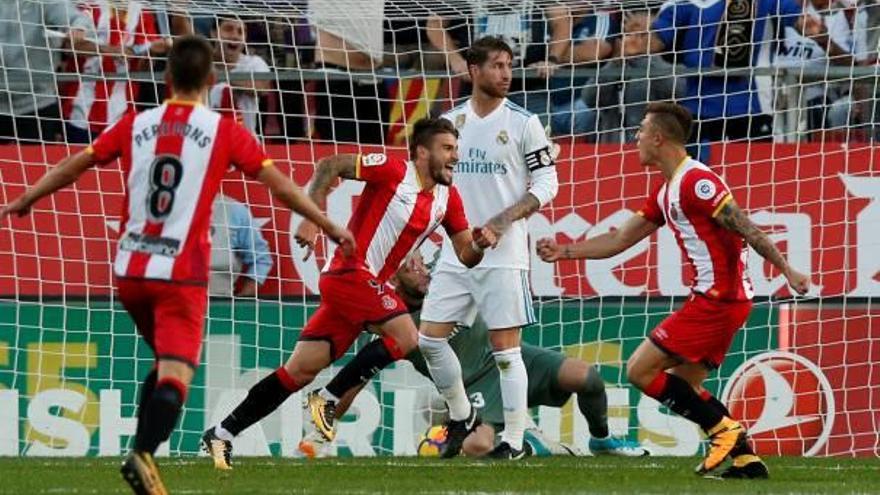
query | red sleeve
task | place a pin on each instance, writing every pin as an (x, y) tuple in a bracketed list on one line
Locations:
[(652, 210), (246, 154), (222, 101), (379, 167), (146, 29), (455, 219), (110, 143), (703, 192)]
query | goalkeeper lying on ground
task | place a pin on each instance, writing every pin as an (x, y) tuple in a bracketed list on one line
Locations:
[(553, 378)]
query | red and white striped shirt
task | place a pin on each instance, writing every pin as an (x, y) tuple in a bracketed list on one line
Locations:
[(100, 103), (395, 215), (173, 159), (689, 202)]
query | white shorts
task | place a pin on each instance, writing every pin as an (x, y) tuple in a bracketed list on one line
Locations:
[(502, 296)]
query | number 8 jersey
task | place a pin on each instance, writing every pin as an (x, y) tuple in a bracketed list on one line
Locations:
[(173, 158)]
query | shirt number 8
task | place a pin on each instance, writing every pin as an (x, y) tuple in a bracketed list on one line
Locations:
[(166, 173)]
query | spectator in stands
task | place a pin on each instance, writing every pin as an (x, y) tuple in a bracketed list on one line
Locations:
[(847, 30), (540, 38), (860, 109), (240, 258), (591, 42), (169, 24), (725, 35), (871, 9), (99, 103), (238, 97), (622, 103), (349, 107), (30, 38)]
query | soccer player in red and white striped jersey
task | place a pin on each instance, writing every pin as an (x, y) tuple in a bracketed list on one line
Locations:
[(712, 232), (403, 202), (99, 103), (173, 158)]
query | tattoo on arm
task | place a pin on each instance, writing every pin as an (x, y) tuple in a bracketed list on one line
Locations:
[(327, 170), (732, 218), (523, 208)]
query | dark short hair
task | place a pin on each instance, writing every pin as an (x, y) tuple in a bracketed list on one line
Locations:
[(480, 50), (219, 19), (424, 131), (190, 63), (674, 120)]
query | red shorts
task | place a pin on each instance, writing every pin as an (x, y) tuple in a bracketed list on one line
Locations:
[(350, 301), (702, 330), (169, 316)]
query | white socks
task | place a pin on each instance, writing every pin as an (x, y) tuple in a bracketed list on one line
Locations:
[(446, 374), (514, 394), (327, 395), (222, 433)]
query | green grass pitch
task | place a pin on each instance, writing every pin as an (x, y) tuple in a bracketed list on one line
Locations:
[(422, 476)]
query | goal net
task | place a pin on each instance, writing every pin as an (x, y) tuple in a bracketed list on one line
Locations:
[(788, 119)]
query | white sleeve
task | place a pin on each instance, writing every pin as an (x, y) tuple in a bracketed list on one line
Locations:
[(255, 63), (534, 136), (860, 36), (840, 31), (543, 183)]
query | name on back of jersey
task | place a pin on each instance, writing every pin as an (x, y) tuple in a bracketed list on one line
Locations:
[(183, 129)]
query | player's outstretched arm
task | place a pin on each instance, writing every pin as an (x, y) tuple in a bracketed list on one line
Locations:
[(731, 217), (64, 174), (527, 205), (327, 171), (543, 181), (293, 197), (602, 246), (469, 245), (441, 39)]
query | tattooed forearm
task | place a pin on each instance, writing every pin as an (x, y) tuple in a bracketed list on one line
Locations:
[(732, 218), (327, 170), (527, 205)]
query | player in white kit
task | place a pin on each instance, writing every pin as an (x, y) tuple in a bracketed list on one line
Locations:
[(505, 173)]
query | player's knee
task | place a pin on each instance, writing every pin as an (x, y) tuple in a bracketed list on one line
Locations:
[(505, 339), (431, 345), (636, 375), (175, 369), (400, 345), (302, 375), (476, 445), (170, 391)]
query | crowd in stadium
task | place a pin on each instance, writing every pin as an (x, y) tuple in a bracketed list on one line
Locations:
[(621, 58)]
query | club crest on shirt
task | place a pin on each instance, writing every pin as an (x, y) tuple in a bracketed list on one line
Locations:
[(704, 189), (459, 120), (545, 157), (502, 137), (388, 302)]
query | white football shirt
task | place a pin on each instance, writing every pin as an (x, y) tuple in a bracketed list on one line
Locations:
[(497, 155), (798, 50), (241, 102)]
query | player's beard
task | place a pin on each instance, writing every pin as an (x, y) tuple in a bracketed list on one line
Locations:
[(438, 171), (494, 91)]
